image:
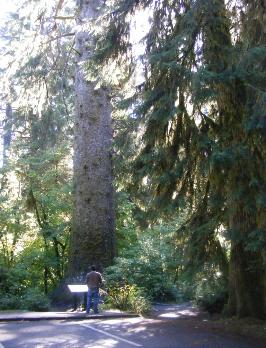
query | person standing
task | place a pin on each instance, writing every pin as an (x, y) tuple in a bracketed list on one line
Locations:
[(93, 281)]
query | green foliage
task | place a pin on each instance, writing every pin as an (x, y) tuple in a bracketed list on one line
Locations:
[(170, 259), (8, 302), (34, 300), (36, 225), (20, 289), (149, 275), (128, 298), (126, 229), (36, 179), (210, 290), (153, 263)]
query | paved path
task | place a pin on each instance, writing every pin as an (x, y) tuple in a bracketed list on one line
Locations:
[(115, 333), (30, 316), (181, 311), (171, 326)]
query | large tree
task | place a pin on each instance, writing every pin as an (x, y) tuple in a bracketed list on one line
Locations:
[(92, 240), (201, 109)]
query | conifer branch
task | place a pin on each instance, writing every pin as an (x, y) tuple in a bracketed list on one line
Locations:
[(59, 37), (59, 6), (63, 18)]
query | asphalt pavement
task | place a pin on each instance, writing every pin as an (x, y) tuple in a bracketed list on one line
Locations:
[(171, 326), (56, 315)]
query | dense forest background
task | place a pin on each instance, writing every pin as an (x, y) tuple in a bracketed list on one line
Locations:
[(161, 104)]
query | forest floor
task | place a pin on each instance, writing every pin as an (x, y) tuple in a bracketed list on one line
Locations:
[(193, 316)]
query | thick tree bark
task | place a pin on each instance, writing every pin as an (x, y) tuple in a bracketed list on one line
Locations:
[(246, 281), (92, 240), (246, 268), (246, 290)]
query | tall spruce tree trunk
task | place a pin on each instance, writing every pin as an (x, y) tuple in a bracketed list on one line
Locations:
[(92, 240), (246, 268)]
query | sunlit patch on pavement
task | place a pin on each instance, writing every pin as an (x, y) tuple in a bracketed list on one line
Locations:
[(178, 314)]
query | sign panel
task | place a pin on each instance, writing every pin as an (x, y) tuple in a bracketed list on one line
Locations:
[(78, 288)]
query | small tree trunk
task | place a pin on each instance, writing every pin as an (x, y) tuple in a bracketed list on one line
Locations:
[(92, 239), (58, 267), (45, 279), (7, 133)]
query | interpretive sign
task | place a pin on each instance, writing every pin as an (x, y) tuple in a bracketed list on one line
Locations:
[(78, 288)]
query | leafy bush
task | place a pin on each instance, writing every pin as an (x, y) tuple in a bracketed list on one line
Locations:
[(34, 300), (151, 258), (128, 297), (147, 274), (8, 302), (139, 302), (152, 263), (16, 291)]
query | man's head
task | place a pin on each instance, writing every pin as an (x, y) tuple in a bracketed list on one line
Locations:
[(93, 268)]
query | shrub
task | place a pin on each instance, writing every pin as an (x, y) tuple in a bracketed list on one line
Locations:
[(139, 302), (128, 297), (34, 300), (147, 274), (8, 302)]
